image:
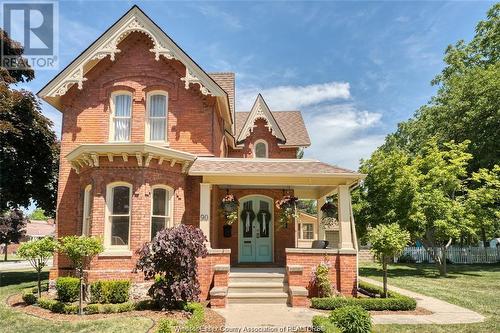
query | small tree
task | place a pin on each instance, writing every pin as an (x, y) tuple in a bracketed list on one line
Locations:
[(38, 214), (38, 252), (387, 241), (170, 259), (80, 250), (12, 228)]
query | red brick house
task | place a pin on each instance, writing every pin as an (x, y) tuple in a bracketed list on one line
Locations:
[(150, 140)]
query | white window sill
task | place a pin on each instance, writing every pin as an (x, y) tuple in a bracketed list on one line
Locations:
[(116, 253)]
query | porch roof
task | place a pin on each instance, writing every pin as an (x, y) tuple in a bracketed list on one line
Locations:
[(207, 166)]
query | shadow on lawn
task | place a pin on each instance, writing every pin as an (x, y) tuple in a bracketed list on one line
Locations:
[(429, 270), (17, 277)]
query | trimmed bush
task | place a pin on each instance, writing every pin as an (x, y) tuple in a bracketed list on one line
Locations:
[(148, 304), (68, 288), (351, 319), (29, 298), (166, 326), (324, 325), (197, 318), (109, 308), (395, 301), (43, 288), (113, 291), (57, 306)]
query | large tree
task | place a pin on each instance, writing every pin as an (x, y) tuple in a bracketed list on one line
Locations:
[(12, 228), (28, 146), (467, 104)]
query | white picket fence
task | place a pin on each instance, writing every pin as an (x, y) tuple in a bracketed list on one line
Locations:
[(457, 255)]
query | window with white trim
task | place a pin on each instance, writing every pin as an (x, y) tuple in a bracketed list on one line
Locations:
[(306, 231), (260, 149), (119, 196), (156, 125), (87, 210), (121, 116), (161, 208)]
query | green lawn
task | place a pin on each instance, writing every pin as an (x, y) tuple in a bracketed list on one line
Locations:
[(476, 287), (12, 321)]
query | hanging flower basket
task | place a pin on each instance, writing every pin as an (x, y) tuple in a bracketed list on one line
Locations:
[(287, 209), (229, 208), (329, 214)]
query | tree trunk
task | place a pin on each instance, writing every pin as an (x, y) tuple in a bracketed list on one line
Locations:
[(384, 268), (39, 271), (5, 254), (483, 238), (442, 270), (80, 306)]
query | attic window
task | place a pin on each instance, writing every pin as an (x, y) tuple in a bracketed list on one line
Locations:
[(260, 149)]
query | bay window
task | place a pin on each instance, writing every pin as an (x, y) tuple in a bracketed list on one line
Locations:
[(118, 223), (161, 209)]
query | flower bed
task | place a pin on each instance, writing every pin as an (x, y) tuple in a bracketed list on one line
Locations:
[(395, 301)]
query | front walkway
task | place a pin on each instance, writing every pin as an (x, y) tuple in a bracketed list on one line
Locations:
[(273, 315), (443, 312)]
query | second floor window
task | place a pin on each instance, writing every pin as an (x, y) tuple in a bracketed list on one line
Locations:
[(260, 150), (157, 117), (121, 117)]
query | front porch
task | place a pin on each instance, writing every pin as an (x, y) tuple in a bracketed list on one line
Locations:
[(264, 243)]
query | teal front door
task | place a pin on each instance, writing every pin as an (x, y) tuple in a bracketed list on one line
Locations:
[(256, 230)]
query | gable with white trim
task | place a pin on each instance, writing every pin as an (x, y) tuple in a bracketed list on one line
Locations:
[(107, 45), (260, 110)]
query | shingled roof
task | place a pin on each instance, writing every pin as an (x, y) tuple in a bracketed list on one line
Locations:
[(290, 122), (226, 81), (210, 165)]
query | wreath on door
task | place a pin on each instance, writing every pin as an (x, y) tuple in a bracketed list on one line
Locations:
[(264, 218)]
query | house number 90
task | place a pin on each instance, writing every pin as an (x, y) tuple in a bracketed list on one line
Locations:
[(203, 217)]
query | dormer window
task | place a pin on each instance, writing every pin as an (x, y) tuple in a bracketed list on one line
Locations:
[(156, 124), (121, 115), (260, 149)]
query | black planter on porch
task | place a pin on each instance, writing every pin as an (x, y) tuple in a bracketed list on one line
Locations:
[(227, 230)]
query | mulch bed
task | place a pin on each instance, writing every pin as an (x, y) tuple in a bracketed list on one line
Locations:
[(212, 319)]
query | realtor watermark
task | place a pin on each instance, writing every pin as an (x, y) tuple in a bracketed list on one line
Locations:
[(34, 26)]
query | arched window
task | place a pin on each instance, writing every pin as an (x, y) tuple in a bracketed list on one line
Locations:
[(87, 210), (161, 208), (156, 124), (121, 116), (260, 149), (118, 197)]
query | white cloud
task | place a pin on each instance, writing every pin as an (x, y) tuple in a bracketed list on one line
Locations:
[(340, 133), (294, 97), (220, 15)]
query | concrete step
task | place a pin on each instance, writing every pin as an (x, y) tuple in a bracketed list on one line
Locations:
[(256, 277), (257, 287), (257, 298)]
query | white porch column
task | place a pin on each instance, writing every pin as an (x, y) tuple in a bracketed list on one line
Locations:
[(321, 227), (344, 198), (205, 190)]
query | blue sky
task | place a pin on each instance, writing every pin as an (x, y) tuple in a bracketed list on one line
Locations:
[(355, 69)]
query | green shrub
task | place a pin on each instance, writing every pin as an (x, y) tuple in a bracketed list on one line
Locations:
[(406, 259), (351, 319), (322, 280), (147, 304), (43, 288), (166, 326), (109, 308), (395, 301), (68, 289), (113, 291), (197, 318), (29, 298), (324, 325), (46, 303), (91, 309), (57, 306)]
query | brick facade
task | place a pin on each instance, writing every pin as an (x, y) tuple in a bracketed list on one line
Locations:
[(194, 125)]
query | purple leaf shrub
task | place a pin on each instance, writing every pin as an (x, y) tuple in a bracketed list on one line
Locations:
[(170, 259)]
